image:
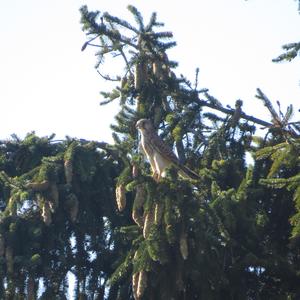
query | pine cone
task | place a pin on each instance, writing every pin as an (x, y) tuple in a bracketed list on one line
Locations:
[(158, 212), (157, 69), (183, 246), (72, 206), (135, 171), (135, 281), (54, 196), (120, 197), (46, 213), (140, 75), (74, 209), (149, 220), (140, 197), (142, 284), (137, 205), (68, 167), (137, 218), (12, 205), (137, 77)]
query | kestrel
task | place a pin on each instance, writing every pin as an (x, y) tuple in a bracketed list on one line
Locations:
[(159, 154)]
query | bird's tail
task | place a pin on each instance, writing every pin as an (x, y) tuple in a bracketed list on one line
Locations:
[(188, 173)]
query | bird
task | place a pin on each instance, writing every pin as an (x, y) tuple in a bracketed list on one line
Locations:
[(159, 154)]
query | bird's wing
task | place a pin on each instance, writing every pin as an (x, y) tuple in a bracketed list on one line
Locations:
[(162, 148)]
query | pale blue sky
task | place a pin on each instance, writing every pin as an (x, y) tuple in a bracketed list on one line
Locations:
[(48, 85)]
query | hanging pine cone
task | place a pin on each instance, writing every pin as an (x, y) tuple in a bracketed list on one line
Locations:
[(142, 284), (72, 206), (74, 209), (53, 196), (46, 213), (135, 282), (183, 246), (140, 197), (2, 245), (135, 171), (121, 197), (68, 167), (158, 212), (140, 75), (139, 200), (137, 77), (9, 259), (165, 71), (12, 206), (157, 69), (137, 218), (149, 220)]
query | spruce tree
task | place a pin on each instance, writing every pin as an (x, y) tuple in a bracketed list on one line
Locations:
[(209, 239)]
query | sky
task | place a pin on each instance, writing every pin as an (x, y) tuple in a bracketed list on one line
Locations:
[(48, 85)]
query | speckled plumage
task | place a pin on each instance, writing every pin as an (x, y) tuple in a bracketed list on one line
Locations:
[(159, 154)]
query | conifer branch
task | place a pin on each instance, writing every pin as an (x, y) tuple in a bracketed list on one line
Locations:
[(120, 22), (107, 77), (137, 15), (292, 50), (267, 103), (126, 61), (232, 111), (276, 121)]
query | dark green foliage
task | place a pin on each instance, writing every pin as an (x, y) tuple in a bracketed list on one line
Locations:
[(74, 232), (291, 52)]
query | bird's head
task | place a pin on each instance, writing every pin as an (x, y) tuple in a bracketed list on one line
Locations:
[(144, 125)]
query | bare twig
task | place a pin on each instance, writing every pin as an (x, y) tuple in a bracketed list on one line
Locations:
[(126, 61), (107, 77)]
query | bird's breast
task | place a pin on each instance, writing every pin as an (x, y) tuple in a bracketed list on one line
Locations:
[(147, 146)]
